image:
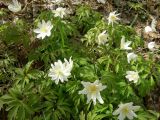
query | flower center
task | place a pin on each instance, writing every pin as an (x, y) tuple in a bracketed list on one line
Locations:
[(59, 72), (125, 110), (92, 88), (113, 17), (134, 76), (44, 30)]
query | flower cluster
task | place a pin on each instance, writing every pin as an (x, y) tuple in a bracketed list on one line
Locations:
[(127, 109), (60, 71)]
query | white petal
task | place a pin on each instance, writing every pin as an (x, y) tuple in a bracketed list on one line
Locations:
[(103, 87), (116, 112), (39, 35), (36, 30), (128, 43), (136, 108), (88, 98), (82, 92), (85, 83), (39, 25), (131, 115), (49, 33), (100, 98), (121, 117), (94, 100), (96, 82), (43, 36)]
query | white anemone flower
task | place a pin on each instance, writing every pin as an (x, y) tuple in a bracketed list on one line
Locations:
[(60, 12), (44, 29), (147, 29), (76, 2), (112, 18), (131, 56), (125, 45), (126, 110), (151, 28), (92, 90), (57, 1), (101, 1), (61, 71), (152, 46), (15, 6), (132, 76), (102, 38)]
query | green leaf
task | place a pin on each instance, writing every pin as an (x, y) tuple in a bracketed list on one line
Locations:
[(82, 116), (27, 66)]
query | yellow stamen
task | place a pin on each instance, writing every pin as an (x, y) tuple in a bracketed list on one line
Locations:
[(113, 17), (43, 29), (92, 88), (125, 110)]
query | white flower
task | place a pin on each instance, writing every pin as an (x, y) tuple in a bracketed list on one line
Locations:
[(92, 90), (57, 1), (125, 45), (102, 38), (44, 29), (60, 12), (131, 56), (61, 71), (152, 46), (132, 76), (112, 18), (76, 2), (126, 110), (101, 1), (151, 28), (15, 6), (147, 29)]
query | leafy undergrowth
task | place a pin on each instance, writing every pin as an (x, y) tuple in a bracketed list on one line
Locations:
[(79, 65)]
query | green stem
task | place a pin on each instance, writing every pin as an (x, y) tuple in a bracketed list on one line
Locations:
[(134, 20), (62, 36)]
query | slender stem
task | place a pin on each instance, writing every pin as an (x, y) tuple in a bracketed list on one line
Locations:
[(134, 20), (61, 32)]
